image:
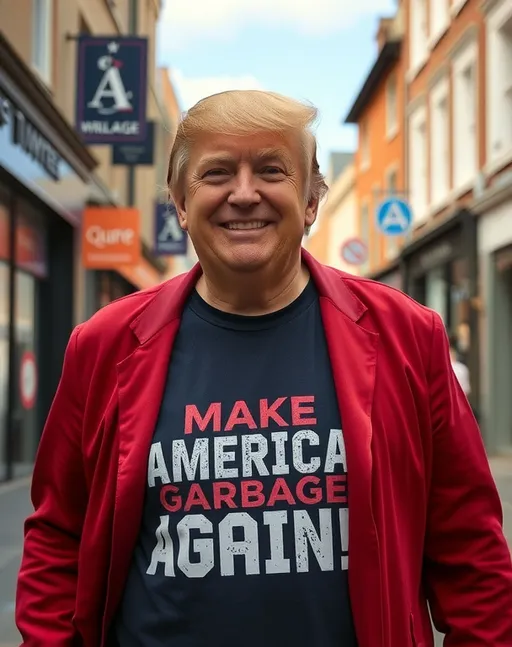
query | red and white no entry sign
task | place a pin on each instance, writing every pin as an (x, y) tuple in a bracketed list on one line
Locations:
[(28, 380), (354, 251)]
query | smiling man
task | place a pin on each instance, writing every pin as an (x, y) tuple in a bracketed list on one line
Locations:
[(263, 451)]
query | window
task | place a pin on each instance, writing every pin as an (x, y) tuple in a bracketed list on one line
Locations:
[(418, 164), (392, 244), (499, 79), (439, 143), (391, 107), (365, 145), (439, 18), (464, 118), (365, 233), (42, 19), (418, 33)]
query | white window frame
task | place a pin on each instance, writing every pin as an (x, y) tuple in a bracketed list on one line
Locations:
[(392, 119), (497, 155), (468, 56), (439, 144), (418, 168), (418, 26), (42, 35), (439, 20)]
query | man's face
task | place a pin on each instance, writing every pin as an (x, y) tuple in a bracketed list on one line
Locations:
[(244, 202)]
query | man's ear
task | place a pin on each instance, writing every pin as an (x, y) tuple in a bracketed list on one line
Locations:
[(179, 201), (311, 212)]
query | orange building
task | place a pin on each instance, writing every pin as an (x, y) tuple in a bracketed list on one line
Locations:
[(378, 110)]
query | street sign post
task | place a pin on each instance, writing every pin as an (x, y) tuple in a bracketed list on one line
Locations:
[(354, 251), (394, 217)]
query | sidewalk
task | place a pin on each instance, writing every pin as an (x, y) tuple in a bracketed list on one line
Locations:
[(15, 507)]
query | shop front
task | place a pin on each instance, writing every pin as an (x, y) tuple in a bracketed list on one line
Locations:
[(495, 256), (44, 171), (440, 270)]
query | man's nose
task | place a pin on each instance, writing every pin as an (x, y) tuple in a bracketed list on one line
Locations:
[(244, 193)]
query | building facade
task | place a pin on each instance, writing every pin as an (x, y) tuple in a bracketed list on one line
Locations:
[(49, 181), (378, 111), (337, 217)]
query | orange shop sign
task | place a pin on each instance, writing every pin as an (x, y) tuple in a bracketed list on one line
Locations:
[(110, 237)]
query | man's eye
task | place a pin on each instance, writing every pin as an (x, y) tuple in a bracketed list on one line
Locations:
[(272, 170), (214, 172)]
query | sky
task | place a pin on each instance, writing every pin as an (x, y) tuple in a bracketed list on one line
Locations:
[(314, 50)]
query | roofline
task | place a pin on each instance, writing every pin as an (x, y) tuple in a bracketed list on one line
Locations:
[(388, 55)]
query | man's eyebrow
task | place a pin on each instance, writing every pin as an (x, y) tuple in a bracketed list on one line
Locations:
[(262, 155)]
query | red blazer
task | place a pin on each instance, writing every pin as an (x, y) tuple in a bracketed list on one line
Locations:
[(425, 516)]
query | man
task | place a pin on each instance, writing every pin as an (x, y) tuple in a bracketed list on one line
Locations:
[(209, 436)]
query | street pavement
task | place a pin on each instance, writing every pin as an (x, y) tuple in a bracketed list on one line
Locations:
[(15, 506)]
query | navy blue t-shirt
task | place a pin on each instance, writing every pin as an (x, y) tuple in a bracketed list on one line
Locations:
[(244, 537)]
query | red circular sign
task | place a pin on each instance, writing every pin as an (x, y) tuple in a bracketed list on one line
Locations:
[(354, 251), (28, 380)]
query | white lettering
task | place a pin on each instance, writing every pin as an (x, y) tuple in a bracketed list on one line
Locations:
[(101, 238), (275, 521), (297, 451), (248, 547), (305, 534), (335, 452), (156, 465), (181, 458), (221, 457), (163, 552), (280, 438), (249, 456), (203, 547)]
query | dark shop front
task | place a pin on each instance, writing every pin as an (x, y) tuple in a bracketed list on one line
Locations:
[(440, 270), (44, 173)]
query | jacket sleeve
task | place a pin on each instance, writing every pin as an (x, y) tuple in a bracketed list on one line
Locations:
[(46, 591), (468, 570)]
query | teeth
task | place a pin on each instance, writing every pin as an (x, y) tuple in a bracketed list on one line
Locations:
[(246, 225)]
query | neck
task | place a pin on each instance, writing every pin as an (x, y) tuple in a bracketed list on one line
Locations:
[(254, 293)]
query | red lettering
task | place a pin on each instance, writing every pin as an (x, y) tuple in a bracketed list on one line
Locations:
[(196, 497), (298, 410), (174, 503), (315, 493), (252, 494), (280, 492), (240, 415), (267, 412), (336, 488), (220, 496), (192, 415)]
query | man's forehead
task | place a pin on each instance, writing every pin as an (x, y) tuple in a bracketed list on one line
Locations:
[(235, 147)]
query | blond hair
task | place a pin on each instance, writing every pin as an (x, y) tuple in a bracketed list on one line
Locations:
[(244, 112)]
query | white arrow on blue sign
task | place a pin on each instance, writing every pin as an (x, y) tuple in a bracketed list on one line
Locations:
[(394, 217)]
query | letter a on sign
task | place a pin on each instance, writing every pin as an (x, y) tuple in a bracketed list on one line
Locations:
[(170, 239)]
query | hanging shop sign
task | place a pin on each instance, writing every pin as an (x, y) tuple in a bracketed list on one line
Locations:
[(111, 89), (170, 239), (110, 237)]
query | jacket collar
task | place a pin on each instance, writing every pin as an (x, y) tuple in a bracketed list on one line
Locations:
[(168, 302)]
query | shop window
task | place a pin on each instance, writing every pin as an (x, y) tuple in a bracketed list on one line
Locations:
[(42, 19)]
